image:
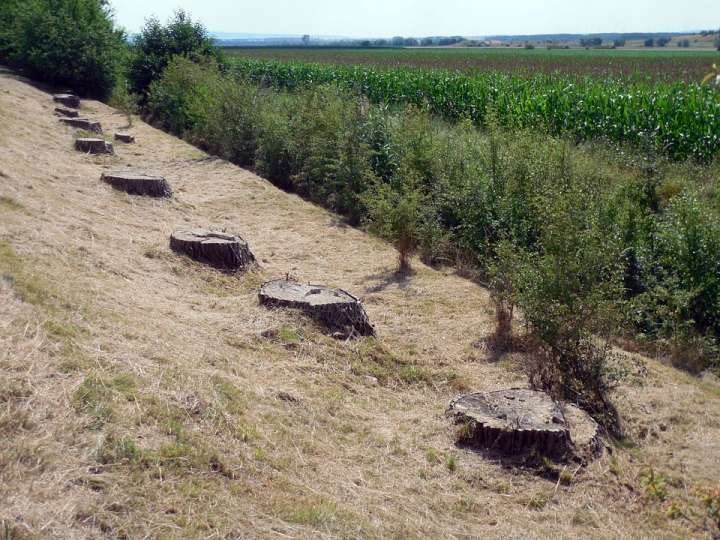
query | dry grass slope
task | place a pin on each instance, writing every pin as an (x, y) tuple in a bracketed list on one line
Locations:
[(144, 395)]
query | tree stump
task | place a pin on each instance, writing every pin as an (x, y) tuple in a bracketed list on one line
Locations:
[(584, 432), (66, 112), (335, 308), (94, 146), (138, 184), (69, 100), (125, 137), (83, 123), (220, 250), (517, 422)]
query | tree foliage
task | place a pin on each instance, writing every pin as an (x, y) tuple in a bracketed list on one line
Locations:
[(157, 44), (63, 42)]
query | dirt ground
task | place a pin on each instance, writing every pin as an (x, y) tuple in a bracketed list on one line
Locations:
[(143, 395)]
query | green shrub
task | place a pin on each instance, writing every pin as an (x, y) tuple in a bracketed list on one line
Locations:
[(175, 101), (227, 120), (156, 45), (689, 249), (331, 154), (64, 42), (124, 101), (393, 215), (7, 19), (569, 291), (274, 156), (680, 276)]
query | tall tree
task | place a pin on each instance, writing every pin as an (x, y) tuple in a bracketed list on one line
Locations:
[(157, 44)]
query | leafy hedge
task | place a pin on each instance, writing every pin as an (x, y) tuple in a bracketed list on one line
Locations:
[(64, 42), (156, 44)]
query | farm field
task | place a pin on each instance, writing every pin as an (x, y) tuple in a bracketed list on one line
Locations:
[(657, 65), (678, 119)]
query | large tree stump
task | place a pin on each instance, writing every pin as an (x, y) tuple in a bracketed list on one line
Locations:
[(221, 250), (125, 137), (69, 100), (138, 184), (518, 422), (335, 308), (83, 123), (94, 146), (69, 113)]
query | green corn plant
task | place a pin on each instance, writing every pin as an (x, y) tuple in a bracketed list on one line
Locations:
[(680, 119)]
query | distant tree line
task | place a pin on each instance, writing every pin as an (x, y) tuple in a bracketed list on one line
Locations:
[(400, 41), (658, 42), (591, 42)]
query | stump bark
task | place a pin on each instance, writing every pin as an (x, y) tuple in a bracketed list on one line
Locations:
[(221, 250), (66, 112), (335, 308), (125, 137), (138, 184), (69, 100), (519, 421), (94, 146), (83, 123)]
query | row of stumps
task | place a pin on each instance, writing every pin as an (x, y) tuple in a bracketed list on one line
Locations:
[(71, 117), (515, 422), (334, 308)]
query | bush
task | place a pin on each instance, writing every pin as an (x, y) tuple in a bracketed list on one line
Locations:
[(274, 156), (124, 101), (227, 120), (174, 100), (330, 151), (680, 296), (393, 215), (64, 42), (8, 15), (569, 292), (156, 45)]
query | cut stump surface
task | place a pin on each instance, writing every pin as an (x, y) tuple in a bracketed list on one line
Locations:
[(221, 250), (138, 184), (335, 308), (83, 123), (69, 113), (69, 100), (94, 146), (125, 137), (519, 421)]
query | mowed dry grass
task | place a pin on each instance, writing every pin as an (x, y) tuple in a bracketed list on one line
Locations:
[(139, 397)]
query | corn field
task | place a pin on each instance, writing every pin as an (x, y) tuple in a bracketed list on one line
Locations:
[(680, 120)]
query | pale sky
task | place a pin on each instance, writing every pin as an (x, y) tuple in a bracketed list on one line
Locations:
[(385, 18)]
